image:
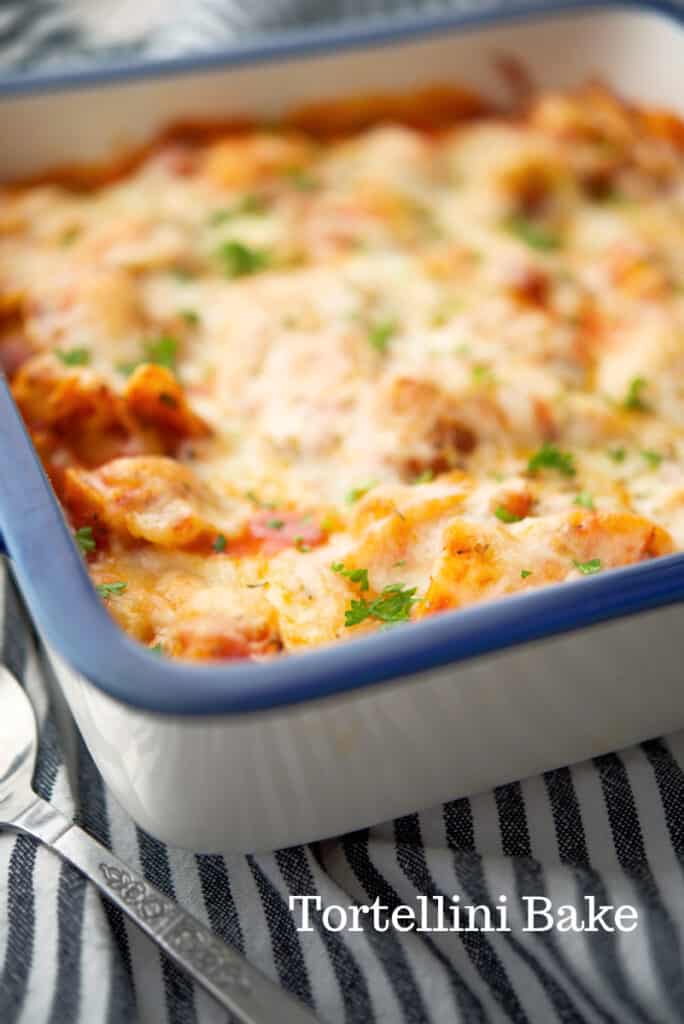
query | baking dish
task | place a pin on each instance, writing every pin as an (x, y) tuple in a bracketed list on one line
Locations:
[(252, 756)]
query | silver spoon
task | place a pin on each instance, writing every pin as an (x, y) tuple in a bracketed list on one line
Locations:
[(249, 995)]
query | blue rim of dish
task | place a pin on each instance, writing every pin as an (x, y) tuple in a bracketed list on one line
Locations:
[(74, 620)]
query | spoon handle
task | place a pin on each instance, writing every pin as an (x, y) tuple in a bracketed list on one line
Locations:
[(250, 996)]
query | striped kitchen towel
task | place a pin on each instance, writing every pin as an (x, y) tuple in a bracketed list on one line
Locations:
[(609, 832), (49, 33)]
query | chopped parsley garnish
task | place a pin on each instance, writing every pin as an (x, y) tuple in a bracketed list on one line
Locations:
[(381, 333), (183, 273), (652, 458), (425, 477), (69, 236), (275, 524), (550, 457), (74, 356), (157, 649), (535, 235), (359, 576), (240, 260), (524, 573), (302, 546), (482, 375), (110, 589), (161, 351), (634, 400), (302, 180), (617, 454), (220, 543), (84, 539), (191, 316), (446, 311), (357, 493), (506, 516), (584, 499), (393, 605), (249, 205), (257, 500), (588, 568)]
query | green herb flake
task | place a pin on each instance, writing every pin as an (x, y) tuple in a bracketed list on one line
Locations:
[(588, 568), (533, 234), (220, 543), (359, 576), (302, 180), (256, 500), (158, 650), (74, 356), (425, 477), (357, 612), (634, 400), (356, 493), (551, 457), (524, 573), (191, 317), (617, 454), (240, 260), (302, 546), (275, 524), (161, 351), (584, 499), (652, 458), (506, 516), (482, 375), (393, 605), (69, 236), (251, 205), (84, 538), (182, 274), (446, 311), (111, 589), (381, 333)]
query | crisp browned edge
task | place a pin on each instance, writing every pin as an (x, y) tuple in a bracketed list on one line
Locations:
[(430, 109)]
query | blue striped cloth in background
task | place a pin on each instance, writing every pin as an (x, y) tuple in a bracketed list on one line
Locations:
[(612, 828)]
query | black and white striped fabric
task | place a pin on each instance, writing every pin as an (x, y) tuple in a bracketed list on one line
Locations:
[(612, 828), (77, 32)]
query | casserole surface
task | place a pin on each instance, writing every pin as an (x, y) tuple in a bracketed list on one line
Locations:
[(297, 385)]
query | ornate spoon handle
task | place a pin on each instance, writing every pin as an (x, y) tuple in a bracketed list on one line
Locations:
[(245, 992)]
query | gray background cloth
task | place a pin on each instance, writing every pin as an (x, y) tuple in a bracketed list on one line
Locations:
[(612, 828)]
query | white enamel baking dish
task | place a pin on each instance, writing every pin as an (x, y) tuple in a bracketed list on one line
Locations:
[(244, 756)]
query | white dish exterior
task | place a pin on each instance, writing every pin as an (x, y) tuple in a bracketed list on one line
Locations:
[(272, 778)]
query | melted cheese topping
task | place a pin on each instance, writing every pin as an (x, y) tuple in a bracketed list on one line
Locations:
[(290, 392)]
